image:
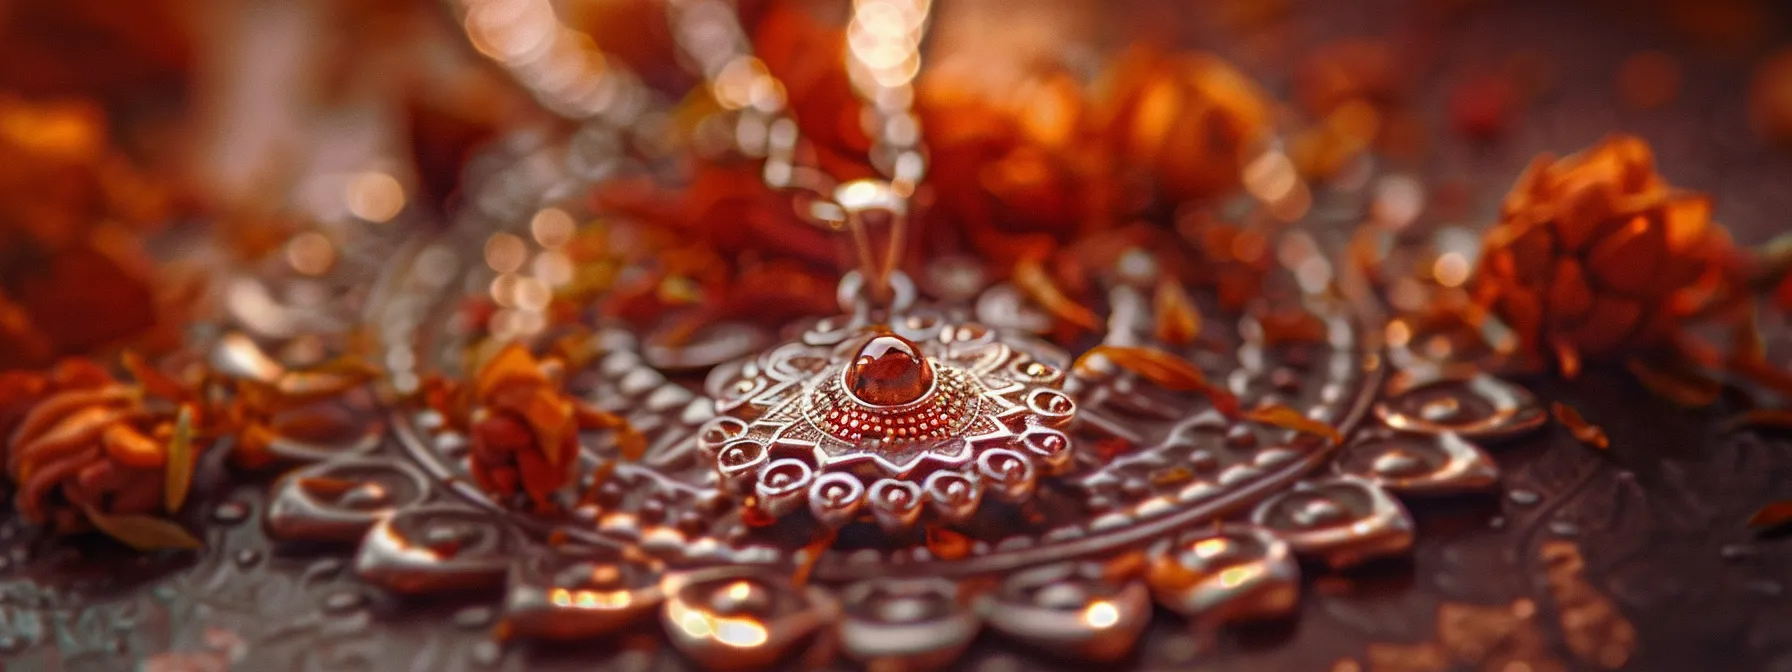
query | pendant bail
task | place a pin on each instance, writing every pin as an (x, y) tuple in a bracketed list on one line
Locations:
[(877, 217)]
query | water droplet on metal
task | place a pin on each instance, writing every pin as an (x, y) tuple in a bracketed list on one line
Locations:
[(473, 617), (247, 557), (342, 602), (1523, 497), (231, 512), (1736, 551), (487, 652)]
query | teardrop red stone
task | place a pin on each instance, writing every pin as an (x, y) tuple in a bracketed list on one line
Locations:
[(889, 371)]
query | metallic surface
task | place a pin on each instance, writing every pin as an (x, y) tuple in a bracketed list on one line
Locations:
[(1635, 557)]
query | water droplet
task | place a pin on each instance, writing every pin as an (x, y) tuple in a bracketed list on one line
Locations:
[(247, 557), (1563, 528), (1736, 551), (487, 652), (1767, 588), (366, 497), (344, 601), (1062, 595), (1497, 522), (231, 512), (1398, 462), (1439, 409), (1523, 497), (324, 568), (1316, 511), (1240, 436), (473, 618)]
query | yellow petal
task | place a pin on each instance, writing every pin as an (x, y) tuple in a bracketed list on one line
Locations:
[(144, 533), (179, 472), (1587, 432)]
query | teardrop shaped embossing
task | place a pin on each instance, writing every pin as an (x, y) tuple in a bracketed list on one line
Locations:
[(1476, 406), (1343, 520), (1083, 610), (1234, 573), (1419, 464), (436, 548), (563, 597), (338, 500), (742, 618), (907, 624)]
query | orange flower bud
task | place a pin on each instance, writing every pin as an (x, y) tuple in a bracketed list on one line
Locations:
[(1596, 253)]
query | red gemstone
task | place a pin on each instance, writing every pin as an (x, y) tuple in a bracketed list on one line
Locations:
[(889, 371)]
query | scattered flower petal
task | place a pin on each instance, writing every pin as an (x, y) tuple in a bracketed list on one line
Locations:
[(1164, 369), (1587, 432), (144, 533), (1289, 418)]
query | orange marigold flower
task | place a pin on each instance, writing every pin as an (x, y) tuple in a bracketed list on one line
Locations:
[(524, 429), (1596, 253), (80, 443), (1190, 120)]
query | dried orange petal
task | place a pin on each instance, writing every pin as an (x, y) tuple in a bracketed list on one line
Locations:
[(1587, 432), (630, 442), (811, 554), (1178, 320), (152, 380), (132, 449), (1164, 369), (1675, 382), (1771, 515), (1030, 277), (511, 362), (1288, 418), (946, 544)]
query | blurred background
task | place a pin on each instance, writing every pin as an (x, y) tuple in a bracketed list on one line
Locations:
[(277, 129)]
